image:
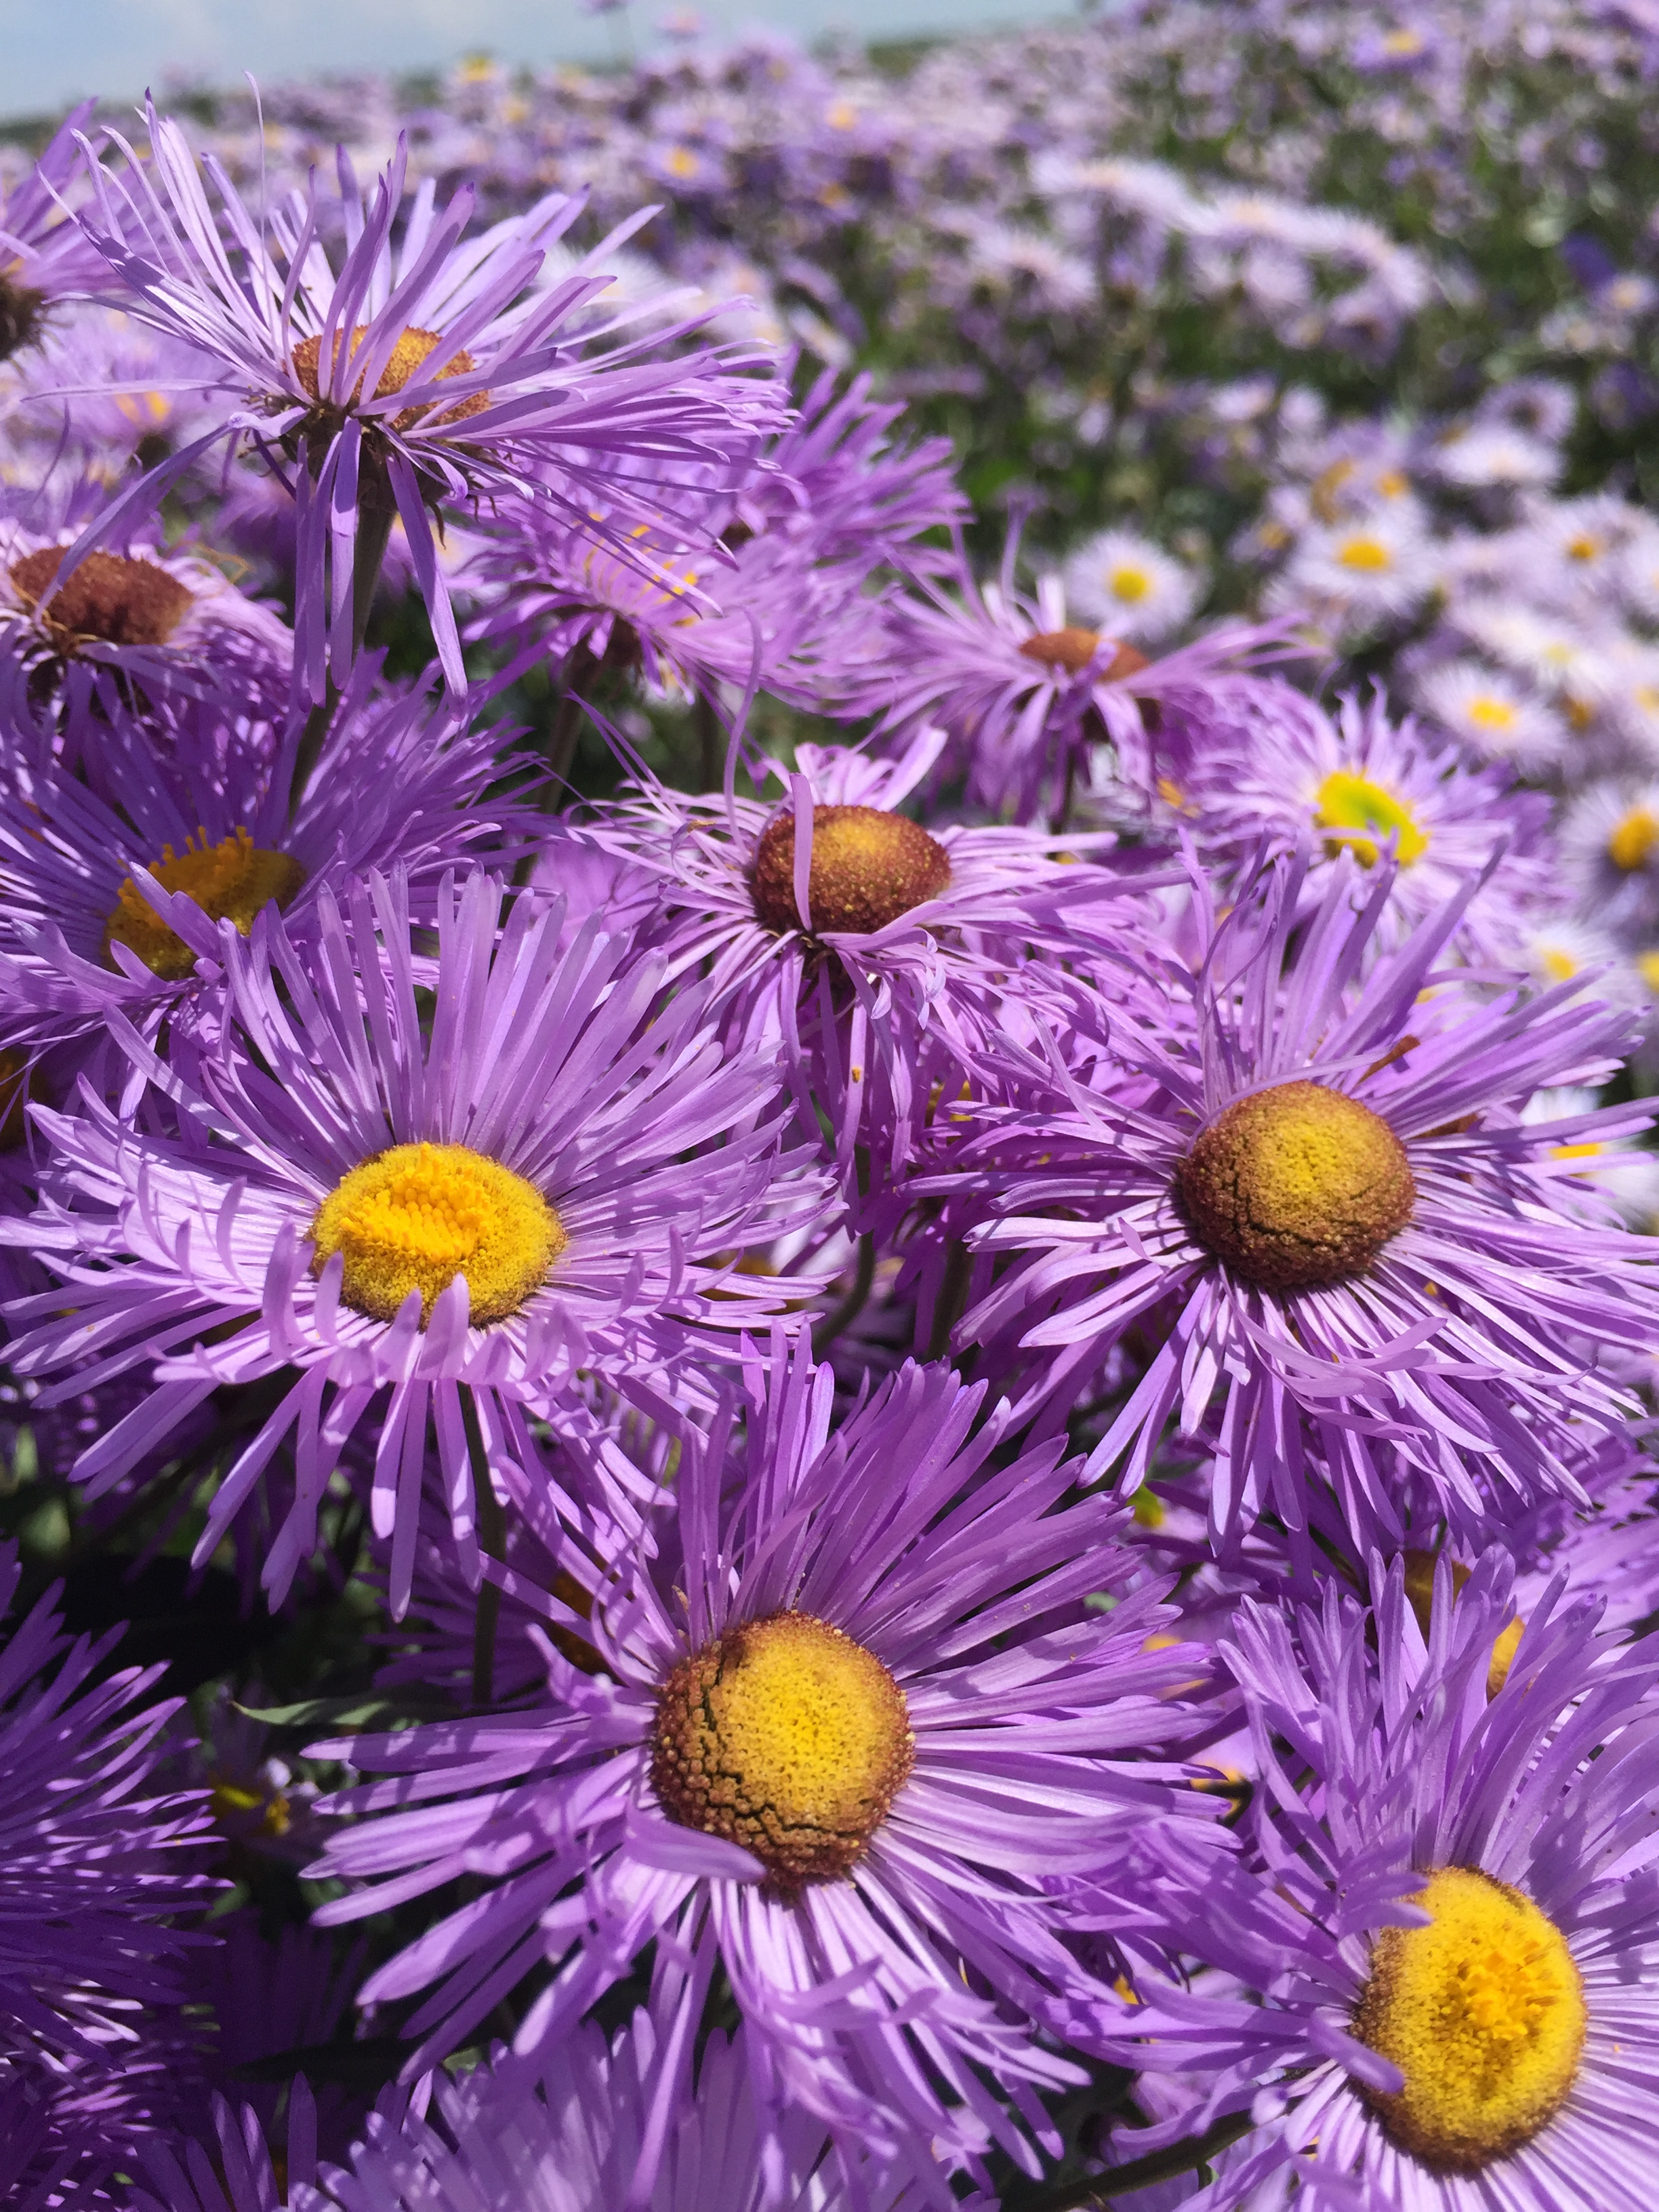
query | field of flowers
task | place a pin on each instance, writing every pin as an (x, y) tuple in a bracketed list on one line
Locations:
[(829, 1004)]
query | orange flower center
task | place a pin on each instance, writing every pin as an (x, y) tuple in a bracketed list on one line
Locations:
[(414, 347)]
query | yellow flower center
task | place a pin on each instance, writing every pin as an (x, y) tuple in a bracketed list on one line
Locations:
[(414, 1218), (868, 867), (1363, 815), (1489, 713), (1403, 43), (1483, 2012), (231, 881), (1369, 554), (1584, 547), (109, 600), (1296, 1188), (785, 1736), (1129, 585), (1631, 840), (1647, 966), (1420, 1594), (1559, 966), (414, 347)]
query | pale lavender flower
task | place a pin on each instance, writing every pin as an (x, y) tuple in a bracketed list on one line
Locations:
[(43, 255), (877, 953), (577, 2130), (1463, 1984), (438, 375)]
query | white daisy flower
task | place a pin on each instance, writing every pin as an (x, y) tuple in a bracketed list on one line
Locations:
[(1560, 951), (1373, 568), (1129, 586), (1621, 1169), (1492, 714), (1495, 455)]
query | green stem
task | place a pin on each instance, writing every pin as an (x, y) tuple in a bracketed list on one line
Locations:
[(566, 727), (853, 1304), (492, 1541), (375, 519), (708, 723), (952, 1298), (1141, 2172)]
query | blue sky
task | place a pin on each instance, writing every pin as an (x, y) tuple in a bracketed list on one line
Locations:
[(55, 50)]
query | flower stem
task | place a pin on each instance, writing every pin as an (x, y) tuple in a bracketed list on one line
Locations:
[(853, 1304), (952, 1298), (492, 1541), (567, 725), (707, 724), (375, 519), (1185, 2157)]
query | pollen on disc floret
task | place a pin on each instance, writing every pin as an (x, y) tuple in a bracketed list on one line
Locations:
[(1483, 2012), (111, 598), (785, 1736), (1296, 1188), (868, 867), (414, 1218), (1363, 815), (231, 881), (414, 347)]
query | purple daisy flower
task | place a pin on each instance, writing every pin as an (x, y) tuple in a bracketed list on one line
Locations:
[(1295, 778), (43, 255), (94, 1866), (126, 632), (438, 375), (878, 955), (555, 1180), (890, 1913), (823, 503), (1026, 696), (836, 478), (115, 881), (589, 2127), (691, 626), (1463, 1881), (1330, 1208)]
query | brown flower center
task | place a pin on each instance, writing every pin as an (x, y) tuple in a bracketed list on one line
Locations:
[(868, 867), (1072, 649), (1296, 1188), (22, 314), (784, 1736), (109, 600), (413, 349)]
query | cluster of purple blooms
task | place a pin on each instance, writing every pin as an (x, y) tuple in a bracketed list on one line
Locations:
[(903, 1308)]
